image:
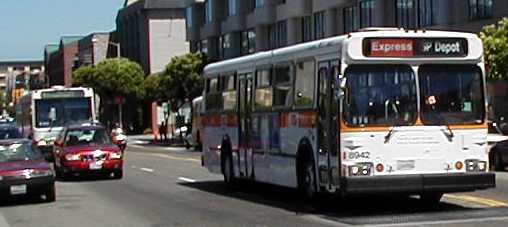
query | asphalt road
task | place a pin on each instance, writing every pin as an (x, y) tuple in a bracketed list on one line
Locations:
[(168, 187)]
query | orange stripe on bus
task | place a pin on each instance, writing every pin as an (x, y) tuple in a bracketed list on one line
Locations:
[(307, 119), (284, 120)]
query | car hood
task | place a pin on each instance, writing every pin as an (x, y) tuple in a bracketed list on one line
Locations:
[(8, 167), (88, 148)]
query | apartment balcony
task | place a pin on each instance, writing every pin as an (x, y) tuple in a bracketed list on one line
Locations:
[(233, 23), (210, 29), (320, 5), (294, 8), (263, 15)]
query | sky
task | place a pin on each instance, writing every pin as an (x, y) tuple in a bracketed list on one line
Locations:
[(26, 26)]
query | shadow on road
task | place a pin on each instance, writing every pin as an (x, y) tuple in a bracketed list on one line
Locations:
[(352, 210), (11, 201), (87, 177)]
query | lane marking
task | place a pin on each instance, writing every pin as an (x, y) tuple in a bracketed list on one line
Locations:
[(175, 158), (147, 170), (441, 223), (3, 222), (478, 200), (187, 179)]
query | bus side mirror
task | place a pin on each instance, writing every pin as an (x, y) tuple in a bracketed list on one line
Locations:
[(341, 86), (52, 114)]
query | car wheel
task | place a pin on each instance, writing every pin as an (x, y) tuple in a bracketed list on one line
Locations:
[(118, 174), (50, 194), (431, 199)]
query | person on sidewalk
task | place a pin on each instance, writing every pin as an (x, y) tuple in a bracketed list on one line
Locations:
[(164, 131)]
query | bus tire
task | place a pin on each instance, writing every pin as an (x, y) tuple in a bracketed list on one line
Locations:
[(431, 198), (307, 183), (497, 161), (227, 165)]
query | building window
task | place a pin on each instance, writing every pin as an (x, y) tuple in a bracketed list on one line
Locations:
[(248, 41), (281, 33), (272, 36), (188, 15), (480, 9), (306, 28), (319, 25), (281, 2), (231, 7), (351, 19), (259, 3), (366, 13), (406, 13), (208, 11), (204, 46), (425, 11)]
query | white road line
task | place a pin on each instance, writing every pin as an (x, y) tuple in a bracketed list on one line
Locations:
[(3, 222), (187, 179), (146, 170), (442, 223)]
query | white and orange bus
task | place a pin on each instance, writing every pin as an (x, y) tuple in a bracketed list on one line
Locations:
[(376, 111)]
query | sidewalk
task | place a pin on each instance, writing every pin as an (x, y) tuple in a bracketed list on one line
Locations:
[(149, 140)]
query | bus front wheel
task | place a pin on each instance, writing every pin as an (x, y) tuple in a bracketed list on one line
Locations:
[(307, 179)]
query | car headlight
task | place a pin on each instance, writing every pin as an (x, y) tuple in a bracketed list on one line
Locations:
[(115, 155), (1, 178), (72, 157), (41, 173)]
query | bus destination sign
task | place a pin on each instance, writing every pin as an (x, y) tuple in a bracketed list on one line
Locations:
[(62, 94), (418, 47)]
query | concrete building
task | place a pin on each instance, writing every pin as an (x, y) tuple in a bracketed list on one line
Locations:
[(61, 63), (97, 47), (229, 28), (151, 32), (17, 76)]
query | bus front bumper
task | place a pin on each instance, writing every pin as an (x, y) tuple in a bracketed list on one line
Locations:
[(418, 183)]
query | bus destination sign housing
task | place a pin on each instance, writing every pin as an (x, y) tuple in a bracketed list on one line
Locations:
[(62, 94), (415, 47)]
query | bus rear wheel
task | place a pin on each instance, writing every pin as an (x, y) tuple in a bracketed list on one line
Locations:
[(227, 171)]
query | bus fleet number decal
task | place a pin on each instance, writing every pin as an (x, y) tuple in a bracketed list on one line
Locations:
[(357, 155)]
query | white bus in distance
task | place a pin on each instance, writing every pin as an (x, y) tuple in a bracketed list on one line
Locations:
[(42, 114), (386, 111)]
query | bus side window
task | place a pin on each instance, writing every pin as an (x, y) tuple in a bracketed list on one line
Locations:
[(282, 90), (263, 96), (304, 84)]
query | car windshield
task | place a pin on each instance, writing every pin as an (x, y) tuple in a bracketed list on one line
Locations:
[(68, 110), (77, 137), (451, 94), (18, 152), (380, 95), (10, 133)]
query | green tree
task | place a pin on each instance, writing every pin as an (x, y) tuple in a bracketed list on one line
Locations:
[(111, 78), (182, 79), (153, 88), (495, 43)]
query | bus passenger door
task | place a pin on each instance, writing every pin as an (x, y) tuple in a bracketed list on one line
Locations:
[(327, 123), (245, 124)]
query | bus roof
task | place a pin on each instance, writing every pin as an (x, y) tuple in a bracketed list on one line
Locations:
[(349, 47)]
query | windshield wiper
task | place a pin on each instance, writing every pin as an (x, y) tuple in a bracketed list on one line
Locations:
[(389, 135)]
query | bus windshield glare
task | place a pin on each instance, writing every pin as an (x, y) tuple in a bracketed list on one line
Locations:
[(451, 94), (380, 95), (68, 110)]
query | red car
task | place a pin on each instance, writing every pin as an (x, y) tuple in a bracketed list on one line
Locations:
[(24, 171), (84, 149)]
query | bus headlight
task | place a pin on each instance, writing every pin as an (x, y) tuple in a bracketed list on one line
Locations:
[(361, 169), (475, 165)]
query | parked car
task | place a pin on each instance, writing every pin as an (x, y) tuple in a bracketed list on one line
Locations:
[(497, 140), (24, 171), (87, 148)]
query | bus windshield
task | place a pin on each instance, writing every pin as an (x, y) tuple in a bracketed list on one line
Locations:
[(68, 110), (380, 95), (451, 94)]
